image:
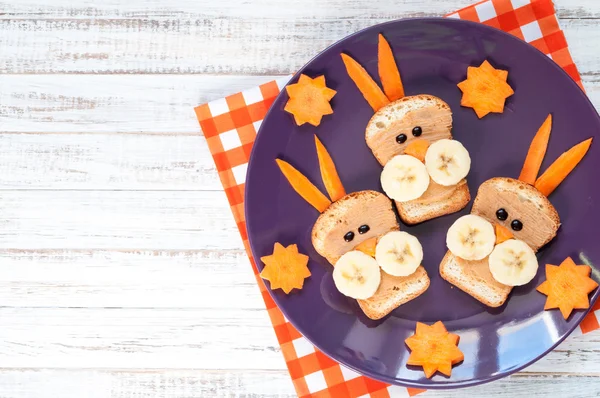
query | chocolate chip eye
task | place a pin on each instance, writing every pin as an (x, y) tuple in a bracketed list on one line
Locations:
[(502, 214), (401, 138), (349, 236), (417, 131), (363, 229), (516, 225)]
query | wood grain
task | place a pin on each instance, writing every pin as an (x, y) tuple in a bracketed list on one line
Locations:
[(153, 220), (192, 338), (83, 104), (197, 279), (207, 36), (106, 162), (165, 383), (108, 104)]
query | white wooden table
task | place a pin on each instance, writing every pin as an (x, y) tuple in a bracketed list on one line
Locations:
[(121, 270)]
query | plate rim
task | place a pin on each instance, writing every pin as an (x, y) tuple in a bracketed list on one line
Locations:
[(447, 385)]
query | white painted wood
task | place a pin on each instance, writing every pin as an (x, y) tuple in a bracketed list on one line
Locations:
[(165, 383), (157, 104), (192, 338), (128, 279), (117, 220), (43, 9), (106, 161), (208, 37), (122, 103)]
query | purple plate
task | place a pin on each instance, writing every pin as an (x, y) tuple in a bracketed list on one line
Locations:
[(433, 56)]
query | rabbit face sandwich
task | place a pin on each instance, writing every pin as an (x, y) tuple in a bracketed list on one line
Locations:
[(358, 233), (493, 249)]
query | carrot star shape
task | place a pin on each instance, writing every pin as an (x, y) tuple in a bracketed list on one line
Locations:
[(286, 268), (309, 100), (433, 348), (485, 89), (567, 287)]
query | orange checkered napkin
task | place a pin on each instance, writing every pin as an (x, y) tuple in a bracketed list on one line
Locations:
[(230, 125)]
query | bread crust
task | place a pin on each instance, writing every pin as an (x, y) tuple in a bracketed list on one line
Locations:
[(414, 213), (523, 190), (393, 292), (454, 272)]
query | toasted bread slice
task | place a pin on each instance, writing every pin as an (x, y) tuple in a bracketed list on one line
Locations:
[(370, 208), (434, 117), (523, 202), (474, 278), (347, 215), (430, 113), (437, 201), (393, 292)]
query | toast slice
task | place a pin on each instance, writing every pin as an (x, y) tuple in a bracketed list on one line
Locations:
[(347, 215), (370, 208), (474, 278), (393, 292), (434, 117), (437, 201), (430, 113), (523, 202)]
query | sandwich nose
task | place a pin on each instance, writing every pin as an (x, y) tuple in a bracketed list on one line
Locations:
[(417, 148), (502, 234), (368, 246)]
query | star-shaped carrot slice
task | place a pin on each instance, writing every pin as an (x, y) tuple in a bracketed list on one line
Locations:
[(433, 348), (309, 100), (567, 287), (286, 268), (485, 90)]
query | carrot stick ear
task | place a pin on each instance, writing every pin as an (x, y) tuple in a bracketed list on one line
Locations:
[(303, 186), (329, 174), (536, 153), (562, 167), (388, 71), (367, 86)]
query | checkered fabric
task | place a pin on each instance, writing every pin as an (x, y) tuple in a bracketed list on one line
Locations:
[(230, 125)]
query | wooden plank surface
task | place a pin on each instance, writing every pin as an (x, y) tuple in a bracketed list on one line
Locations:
[(41, 104), (123, 274), (192, 384), (207, 37)]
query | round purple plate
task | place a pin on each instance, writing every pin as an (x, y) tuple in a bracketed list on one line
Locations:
[(433, 56)]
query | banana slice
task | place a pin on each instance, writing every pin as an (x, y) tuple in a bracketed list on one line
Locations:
[(404, 178), (357, 275), (399, 253), (513, 263), (471, 237), (447, 162)]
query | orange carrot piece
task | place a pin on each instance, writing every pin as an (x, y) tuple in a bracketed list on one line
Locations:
[(309, 100), (286, 268), (536, 153), (433, 348), (567, 287), (329, 174), (485, 89), (502, 234), (368, 246), (388, 71), (303, 186), (499, 73), (418, 149), (367, 86), (562, 167)]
